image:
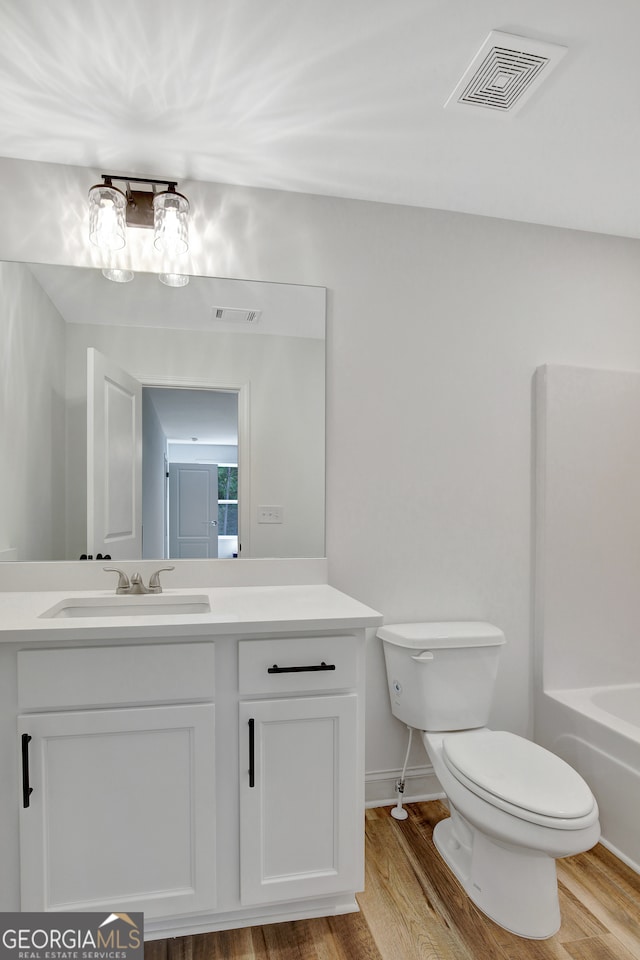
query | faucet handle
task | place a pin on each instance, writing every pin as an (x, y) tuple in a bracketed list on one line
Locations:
[(154, 580), (123, 580)]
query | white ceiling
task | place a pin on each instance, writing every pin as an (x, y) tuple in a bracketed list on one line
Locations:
[(82, 295), (206, 416), (338, 97)]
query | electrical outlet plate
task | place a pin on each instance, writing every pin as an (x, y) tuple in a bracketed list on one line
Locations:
[(269, 514)]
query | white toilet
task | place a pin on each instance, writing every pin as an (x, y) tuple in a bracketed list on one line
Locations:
[(514, 806)]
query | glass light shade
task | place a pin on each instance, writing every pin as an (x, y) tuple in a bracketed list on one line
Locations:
[(174, 279), (107, 206), (171, 223), (117, 275)]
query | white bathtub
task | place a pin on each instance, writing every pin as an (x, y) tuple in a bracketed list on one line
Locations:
[(597, 731)]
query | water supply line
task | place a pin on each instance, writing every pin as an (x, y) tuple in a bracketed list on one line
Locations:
[(398, 812)]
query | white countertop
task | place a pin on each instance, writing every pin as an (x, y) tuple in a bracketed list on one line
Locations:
[(234, 610)]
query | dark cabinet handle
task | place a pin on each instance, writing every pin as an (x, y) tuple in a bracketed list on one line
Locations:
[(311, 669), (252, 753), (26, 789)]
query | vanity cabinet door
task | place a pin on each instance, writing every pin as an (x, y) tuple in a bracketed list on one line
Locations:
[(121, 813), (300, 804)]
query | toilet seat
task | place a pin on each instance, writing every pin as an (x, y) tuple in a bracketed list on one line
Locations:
[(520, 777)]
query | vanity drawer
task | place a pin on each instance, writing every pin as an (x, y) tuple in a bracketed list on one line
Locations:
[(110, 676), (291, 664)]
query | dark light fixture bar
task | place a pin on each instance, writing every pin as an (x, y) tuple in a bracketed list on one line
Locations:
[(139, 211), (112, 209)]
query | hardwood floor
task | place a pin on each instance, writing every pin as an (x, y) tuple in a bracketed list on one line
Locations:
[(414, 909)]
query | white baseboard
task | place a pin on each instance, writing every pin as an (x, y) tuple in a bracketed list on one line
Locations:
[(420, 783)]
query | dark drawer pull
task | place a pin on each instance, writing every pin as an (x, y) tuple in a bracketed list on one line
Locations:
[(252, 753), (311, 669), (26, 789)]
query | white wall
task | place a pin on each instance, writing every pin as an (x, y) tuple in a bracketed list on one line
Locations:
[(194, 452), (436, 323), (154, 444), (588, 527), (32, 418)]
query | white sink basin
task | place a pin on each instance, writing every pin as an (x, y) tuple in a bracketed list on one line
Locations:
[(144, 605)]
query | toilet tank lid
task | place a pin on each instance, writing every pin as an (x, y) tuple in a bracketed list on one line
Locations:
[(442, 634)]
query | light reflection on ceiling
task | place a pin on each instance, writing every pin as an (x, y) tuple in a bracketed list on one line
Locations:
[(334, 97)]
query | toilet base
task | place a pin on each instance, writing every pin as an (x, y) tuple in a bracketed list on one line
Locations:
[(514, 887)]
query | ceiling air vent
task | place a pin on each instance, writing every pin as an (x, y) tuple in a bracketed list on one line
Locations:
[(236, 315), (505, 72)]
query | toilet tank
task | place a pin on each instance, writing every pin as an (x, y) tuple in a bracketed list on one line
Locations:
[(441, 675)]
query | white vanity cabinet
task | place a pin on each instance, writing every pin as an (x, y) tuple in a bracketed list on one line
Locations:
[(207, 771), (301, 781), (118, 778)]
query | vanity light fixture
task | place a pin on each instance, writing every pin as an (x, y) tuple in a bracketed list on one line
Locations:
[(166, 212), (173, 279), (170, 222), (117, 275), (107, 206)]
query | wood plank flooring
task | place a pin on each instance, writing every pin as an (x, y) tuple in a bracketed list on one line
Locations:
[(414, 909)]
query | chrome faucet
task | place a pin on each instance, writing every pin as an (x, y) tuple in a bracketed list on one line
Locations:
[(154, 580), (136, 584), (124, 585)]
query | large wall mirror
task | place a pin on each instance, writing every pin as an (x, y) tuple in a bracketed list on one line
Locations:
[(213, 392)]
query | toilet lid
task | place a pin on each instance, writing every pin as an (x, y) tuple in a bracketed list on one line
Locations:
[(518, 772)]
